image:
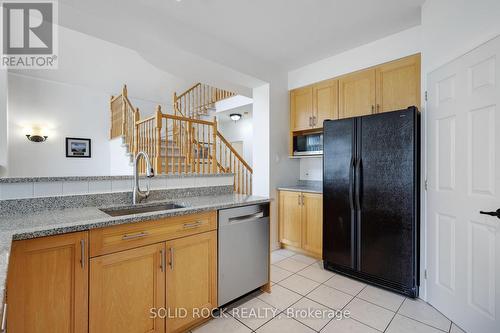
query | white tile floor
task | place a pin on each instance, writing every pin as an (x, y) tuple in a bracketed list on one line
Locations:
[(300, 283)]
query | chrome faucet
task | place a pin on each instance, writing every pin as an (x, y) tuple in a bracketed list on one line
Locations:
[(139, 195)]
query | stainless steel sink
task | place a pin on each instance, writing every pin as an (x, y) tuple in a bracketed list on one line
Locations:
[(140, 209)]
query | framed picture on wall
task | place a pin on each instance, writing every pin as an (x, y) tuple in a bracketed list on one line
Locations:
[(78, 147)]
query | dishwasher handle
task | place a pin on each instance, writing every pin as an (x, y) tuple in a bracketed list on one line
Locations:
[(246, 217)]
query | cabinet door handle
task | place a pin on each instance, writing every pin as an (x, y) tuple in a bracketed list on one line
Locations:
[(134, 236), (162, 259), (378, 108), (373, 108), (314, 121), (82, 253), (310, 121), (302, 195), (4, 319), (300, 202), (171, 258), (192, 225)]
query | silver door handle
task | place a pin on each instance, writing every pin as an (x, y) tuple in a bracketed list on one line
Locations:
[(192, 225), (4, 319), (162, 259), (82, 252), (171, 258), (247, 217), (134, 236)]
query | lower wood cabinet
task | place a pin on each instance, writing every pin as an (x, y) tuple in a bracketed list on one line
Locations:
[(47, 285), (191, 279), (124, 287), (167, 285), (290, 218), (301, 221), (312, 223)]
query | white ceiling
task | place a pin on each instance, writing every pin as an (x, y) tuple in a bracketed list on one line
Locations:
[(283, 33)]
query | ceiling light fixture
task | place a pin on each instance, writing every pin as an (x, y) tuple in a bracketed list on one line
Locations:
[(235, 116)]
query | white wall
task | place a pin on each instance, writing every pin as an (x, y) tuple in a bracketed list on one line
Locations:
[(451, 28), (65, 112), (73, 101), (241, 130), (261, 158), (311, 168), (3, 122), (395, 46)]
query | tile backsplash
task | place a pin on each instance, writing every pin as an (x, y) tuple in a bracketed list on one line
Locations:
[(50, 188)]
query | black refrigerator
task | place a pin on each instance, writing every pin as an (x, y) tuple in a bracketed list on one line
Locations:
[(371, 198)]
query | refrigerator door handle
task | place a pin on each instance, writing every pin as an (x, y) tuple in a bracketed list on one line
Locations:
[(359, 180), (351, 182)]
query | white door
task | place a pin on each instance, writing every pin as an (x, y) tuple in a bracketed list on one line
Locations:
[(463, 253)]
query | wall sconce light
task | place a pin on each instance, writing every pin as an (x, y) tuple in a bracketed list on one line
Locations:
[(235, 116), (35, 135)]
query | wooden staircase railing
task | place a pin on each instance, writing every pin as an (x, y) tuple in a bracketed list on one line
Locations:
[(178, 144), (231, 162), (123, 118), (194, 103), (198, 100)]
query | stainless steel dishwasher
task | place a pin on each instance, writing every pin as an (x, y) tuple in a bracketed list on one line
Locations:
[(243, 251)]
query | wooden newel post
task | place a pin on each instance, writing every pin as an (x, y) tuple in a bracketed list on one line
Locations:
[(111, 117), (158, 141), (175, 103), (214, 151)]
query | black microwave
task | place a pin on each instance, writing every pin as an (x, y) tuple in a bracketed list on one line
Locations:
[(308, 144)]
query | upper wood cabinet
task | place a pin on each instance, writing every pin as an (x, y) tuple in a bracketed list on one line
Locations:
[(312, 223), (398, 84), (191, 278), (325, 102), (124, 287), (388, 87), (47, 285), (357, 94), (301, 109), (310, 106)]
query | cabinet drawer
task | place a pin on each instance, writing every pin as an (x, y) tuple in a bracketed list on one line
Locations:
[(127, 236)]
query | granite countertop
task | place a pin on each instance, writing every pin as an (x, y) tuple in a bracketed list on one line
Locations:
[(304, 186), (60, 221)]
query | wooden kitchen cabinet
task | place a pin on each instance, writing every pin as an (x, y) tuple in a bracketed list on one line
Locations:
[(301, 109), (325, 102), (312, 223), (290, 218), (398, 84), (191, 279), (301, 221), (47, 285), (311, 105), (387, 87), (357, 94), (124, 287)]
